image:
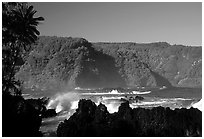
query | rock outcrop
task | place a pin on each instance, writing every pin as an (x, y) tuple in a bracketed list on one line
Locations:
[(40, 105), (91, 120), (19, 118)]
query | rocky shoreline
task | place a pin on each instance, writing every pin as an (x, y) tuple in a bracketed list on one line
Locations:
[(92, 120)]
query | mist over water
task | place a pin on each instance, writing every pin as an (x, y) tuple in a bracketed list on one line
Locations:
[(68, 101), (63, 101)]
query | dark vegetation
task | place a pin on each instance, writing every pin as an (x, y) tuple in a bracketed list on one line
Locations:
[(19, 117), (178, 65), (91, 120), (74, 62), (40, 105), (22, 117), (18, 33), (54, 62)]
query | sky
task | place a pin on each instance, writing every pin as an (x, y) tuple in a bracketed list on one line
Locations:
[(175, 23)]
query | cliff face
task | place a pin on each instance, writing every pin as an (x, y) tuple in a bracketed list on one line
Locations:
[(58, 62), (91, 120)]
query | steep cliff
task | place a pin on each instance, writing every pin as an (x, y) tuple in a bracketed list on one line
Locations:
[(58, 62)]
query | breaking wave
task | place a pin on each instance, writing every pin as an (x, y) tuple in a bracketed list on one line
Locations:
[(64, 101), (69, 101), (140, 93), (116, 92), (113, 92), (198, 105)]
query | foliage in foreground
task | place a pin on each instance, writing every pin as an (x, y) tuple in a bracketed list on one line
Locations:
[(19, 118), (18, 32)]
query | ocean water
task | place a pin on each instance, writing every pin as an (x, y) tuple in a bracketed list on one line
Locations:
[(65, 103)]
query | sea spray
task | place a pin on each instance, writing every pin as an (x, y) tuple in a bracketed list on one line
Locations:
[(112, 107), (64, 101), (112, 100), (59, 108), (197, 105)]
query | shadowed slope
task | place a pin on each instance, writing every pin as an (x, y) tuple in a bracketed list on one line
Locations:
[(99, 71), (160, 80)]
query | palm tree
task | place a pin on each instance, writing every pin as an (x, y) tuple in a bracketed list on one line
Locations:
[(19, 30), (25, 23)]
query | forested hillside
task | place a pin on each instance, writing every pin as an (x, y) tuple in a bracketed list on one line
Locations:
[(181, 65), (60, 62)]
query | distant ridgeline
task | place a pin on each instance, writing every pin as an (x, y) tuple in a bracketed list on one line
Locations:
[(58, 62)]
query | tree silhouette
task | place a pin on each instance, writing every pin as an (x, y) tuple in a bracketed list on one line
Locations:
[(18, 32)]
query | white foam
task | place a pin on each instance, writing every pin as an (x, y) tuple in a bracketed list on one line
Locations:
[(112, 107), (149, 103), (113, 92), (198, 105), (74, 105), (175, 99), (78, 88), (163, 87), (25, 94), (65, 101), (52, 103), (140, 93), (59, 108), (110, 98)]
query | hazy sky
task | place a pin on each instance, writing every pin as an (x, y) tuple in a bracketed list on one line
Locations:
[(175, 23)]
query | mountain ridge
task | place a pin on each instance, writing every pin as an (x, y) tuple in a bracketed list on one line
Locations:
[(66, 62)]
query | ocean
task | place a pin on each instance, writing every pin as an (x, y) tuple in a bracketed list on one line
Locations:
[(66, 102)]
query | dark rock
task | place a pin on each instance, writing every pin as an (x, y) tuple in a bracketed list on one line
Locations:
[(40, 105), (19, 118), (102, 114), (80, 122), (132, 99), (92, 120), (139, 98), (49, 113)]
